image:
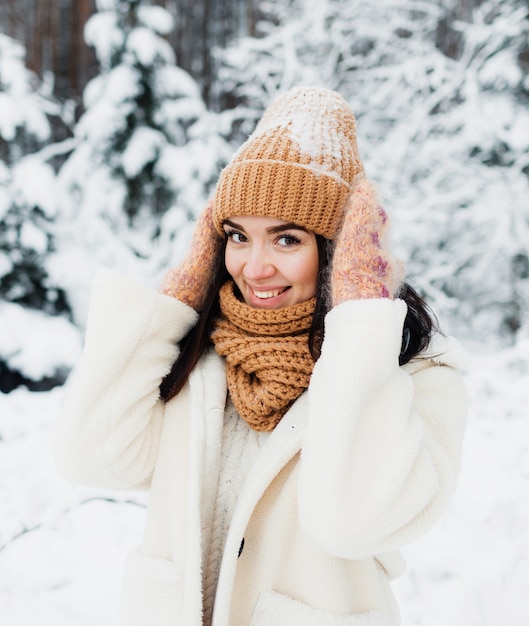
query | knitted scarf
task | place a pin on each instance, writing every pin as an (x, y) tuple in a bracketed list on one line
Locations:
[(268, 363)]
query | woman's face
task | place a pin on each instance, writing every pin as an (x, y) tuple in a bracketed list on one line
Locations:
[(273, 263)]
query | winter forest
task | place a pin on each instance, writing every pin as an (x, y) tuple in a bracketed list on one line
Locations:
[(116, 117)]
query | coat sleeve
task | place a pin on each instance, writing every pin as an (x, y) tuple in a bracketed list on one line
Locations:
[(383, 444), (109, 430)]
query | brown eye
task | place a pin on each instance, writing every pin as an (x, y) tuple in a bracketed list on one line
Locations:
[(288, 240), (235, 236)]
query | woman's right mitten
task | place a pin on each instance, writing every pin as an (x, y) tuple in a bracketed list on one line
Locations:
[(189, 281)]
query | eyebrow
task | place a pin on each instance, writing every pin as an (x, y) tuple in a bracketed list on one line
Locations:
[(272, 230)]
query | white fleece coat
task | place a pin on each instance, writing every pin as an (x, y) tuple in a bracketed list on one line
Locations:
[(363, 462)]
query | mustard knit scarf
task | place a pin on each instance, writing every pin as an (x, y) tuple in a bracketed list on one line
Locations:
[(268, 363)]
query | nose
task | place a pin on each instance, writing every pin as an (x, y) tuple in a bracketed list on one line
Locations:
[(258, 264)]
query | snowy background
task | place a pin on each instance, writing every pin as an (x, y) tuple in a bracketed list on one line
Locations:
[(445, 137)]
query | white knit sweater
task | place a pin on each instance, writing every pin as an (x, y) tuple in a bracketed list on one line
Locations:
[(239, 448)]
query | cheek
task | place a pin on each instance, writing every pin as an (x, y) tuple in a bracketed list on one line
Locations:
[(230, 261), (312, 278), (308, 274)]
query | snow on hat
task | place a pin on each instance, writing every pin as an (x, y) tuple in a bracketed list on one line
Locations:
[(298, 165)]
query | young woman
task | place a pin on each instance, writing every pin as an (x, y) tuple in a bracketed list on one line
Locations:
[(286, 399)]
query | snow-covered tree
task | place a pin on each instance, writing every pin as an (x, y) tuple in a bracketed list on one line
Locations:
[(148, 152), (27, 237), (460, 182), (24, 104), (27, 196), (28, 208)]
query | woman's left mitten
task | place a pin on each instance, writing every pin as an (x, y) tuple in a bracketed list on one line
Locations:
[(363, 264)]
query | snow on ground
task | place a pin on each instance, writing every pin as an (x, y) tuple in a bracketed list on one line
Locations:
[(472, 568), (62, 546)]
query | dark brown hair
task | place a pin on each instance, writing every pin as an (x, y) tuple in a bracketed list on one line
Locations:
[(419, 323)]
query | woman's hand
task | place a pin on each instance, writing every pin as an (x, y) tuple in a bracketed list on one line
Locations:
[(189, 282), (363, 265)]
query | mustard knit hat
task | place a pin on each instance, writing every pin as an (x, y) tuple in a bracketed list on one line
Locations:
[(298, 165)]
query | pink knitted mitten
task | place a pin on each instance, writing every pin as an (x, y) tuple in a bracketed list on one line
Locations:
[(363, 265), (189, 281)]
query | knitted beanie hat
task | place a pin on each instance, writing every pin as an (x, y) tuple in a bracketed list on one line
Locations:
[(298, 165)]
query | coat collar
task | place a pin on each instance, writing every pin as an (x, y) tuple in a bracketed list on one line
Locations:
[(283, 444), (208, 387)]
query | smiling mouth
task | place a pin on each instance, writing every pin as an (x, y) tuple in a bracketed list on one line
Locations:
[(266, 295)]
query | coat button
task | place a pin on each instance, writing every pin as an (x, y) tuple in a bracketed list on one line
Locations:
[(241, 548)]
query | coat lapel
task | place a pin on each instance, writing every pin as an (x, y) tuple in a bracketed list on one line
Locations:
[(208, 391), (284, 443), (208, 399)]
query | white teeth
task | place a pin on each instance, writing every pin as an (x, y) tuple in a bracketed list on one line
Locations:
[(267, 294)]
